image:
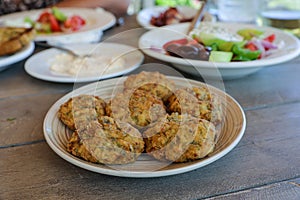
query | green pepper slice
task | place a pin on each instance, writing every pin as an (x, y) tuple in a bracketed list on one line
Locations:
[(245, 53)]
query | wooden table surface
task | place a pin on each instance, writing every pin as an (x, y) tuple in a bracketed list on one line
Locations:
[(264, 165)]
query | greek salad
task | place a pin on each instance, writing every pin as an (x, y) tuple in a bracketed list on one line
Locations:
[(214, 43), (54, 20)]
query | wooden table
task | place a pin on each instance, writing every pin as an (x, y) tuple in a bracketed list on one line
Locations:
[(264, 165)]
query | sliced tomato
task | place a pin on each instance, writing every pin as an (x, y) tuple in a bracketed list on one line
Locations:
[(180, 41), (44, 17), (48, 18), (74, 23), (270, 38), (251, 46), (54, 24)]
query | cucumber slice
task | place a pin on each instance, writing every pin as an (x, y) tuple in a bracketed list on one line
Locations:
[(220, 56)]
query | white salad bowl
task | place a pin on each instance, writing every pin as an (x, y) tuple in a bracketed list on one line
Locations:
[(151, 43)]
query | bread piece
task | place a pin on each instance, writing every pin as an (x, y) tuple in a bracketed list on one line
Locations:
[(13, 39)]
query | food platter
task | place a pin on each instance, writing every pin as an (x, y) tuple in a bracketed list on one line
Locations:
[(39, 64), (229, 70), (7, 61), (144, 16), (57, 135), (96, 21)]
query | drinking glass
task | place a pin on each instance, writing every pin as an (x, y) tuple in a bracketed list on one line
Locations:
[(283, 14), (244, 11)]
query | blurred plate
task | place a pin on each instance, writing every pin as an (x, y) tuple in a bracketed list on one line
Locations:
[(231, 70), (145, 15), (7, 61), (39, 64), (96, 20), (57, 134)]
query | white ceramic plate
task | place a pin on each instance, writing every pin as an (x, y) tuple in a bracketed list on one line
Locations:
[(145, 15), (96, 20), (6, 61), (290, 50), (39, 64), (57, 135)]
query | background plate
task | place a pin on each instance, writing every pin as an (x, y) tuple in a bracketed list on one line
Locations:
[(38, 65), (56, 134), (230, 70), (144, 16), (7, 61), (96, 20)]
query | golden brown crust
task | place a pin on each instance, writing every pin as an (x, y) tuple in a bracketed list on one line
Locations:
[(76, 147), (81, 109), (138, 108), (107, 142), (13, 39), (153, 82), (180, 138), (198, 102)]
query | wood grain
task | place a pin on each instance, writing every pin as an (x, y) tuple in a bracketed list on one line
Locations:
[(283, 190), (263, 165), (37, 171)]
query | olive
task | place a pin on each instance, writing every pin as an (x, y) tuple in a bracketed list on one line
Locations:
[(199, 46), (172, 49), (191, 51), (203, 55), (188, 51)]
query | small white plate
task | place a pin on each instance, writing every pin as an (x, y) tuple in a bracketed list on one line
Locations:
[(96, 20), (232, 131), (39, 64), (7, 61), (145, 15), (230, 70)]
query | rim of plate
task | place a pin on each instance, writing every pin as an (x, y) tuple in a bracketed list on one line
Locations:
[(51, 114), (18, 56)]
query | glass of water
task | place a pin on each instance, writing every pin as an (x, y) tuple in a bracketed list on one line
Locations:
[(244, 11), (283, 14)]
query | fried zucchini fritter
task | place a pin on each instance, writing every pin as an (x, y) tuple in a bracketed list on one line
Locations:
[(107, 142), (106, 132), (83, 108), (198, 102), (76, 147), (152, 82), (180, 138), (138, 108)]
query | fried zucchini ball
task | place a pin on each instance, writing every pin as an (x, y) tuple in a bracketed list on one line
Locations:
[(152, 82), (107, 141), (180, 138), (76, 147), (82, 108), (138, 108), (198, 102)]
